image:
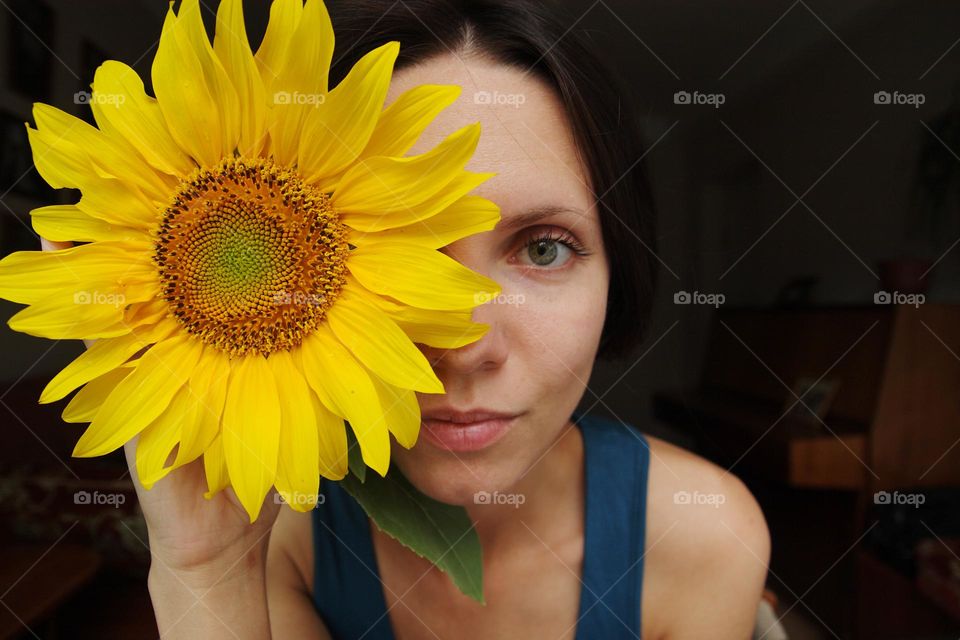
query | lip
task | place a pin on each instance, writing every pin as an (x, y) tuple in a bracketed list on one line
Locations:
[(465, 430)]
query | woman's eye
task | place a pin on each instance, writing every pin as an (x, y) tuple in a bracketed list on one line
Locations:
[(547, 252)]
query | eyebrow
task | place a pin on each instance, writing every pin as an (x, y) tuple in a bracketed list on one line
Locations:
[(534, 215)]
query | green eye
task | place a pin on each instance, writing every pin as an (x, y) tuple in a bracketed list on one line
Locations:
[(542, 252), (550, 249)]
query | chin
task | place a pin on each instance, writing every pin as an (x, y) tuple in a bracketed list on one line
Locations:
[(443, 477)]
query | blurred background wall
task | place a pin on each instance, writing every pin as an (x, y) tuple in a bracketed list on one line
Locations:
[(804, 159)]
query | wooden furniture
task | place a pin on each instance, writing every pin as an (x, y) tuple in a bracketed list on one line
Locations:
[(36, 579), (903, 612), (893, 424)]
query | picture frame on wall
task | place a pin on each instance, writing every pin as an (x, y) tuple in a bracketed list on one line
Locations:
[(815, 399)]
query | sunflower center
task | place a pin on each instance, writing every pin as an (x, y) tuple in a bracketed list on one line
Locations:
[(250, 257)]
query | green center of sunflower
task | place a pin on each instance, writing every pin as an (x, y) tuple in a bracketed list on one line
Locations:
[(250, 257)]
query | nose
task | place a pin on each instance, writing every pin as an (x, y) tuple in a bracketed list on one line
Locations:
[(487, 353)]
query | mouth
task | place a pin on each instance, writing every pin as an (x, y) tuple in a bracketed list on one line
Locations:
[(465, 430)]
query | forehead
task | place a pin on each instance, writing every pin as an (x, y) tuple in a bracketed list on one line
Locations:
[(525, 138)]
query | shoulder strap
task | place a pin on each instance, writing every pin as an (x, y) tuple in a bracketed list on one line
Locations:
[(617, 460), (347, 590)]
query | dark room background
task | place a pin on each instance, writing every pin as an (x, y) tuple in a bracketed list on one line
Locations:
[(805, 161)]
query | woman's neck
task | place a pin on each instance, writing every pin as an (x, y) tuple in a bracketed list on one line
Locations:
[(546, 498)]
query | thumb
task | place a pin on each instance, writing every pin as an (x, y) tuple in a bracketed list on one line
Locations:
[(50, 245)]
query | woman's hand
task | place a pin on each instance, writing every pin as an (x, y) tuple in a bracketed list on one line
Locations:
[(208, 562), (50, 245), (200, 541)]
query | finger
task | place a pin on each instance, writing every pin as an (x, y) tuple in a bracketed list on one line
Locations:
[(50, 245), (130, 453)]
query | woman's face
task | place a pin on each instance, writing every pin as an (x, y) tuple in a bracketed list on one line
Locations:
[(536, 358)]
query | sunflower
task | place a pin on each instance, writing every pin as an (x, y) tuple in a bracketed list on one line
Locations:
[(259, 255)]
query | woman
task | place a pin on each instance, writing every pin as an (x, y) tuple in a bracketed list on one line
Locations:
[(589, 528)]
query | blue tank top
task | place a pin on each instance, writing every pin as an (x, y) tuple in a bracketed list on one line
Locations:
[(349, 596)]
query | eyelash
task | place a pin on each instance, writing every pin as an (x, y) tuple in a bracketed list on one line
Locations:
[(562, 237)]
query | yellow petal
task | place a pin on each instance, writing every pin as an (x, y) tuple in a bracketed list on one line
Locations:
[(29, 277), (336, 132), (67, 223), (298, 462), (158, 439), (420, 277), (226, 102), (140, 397), (284, 18), (208, 391), (186, 101), (333, 373), (83, 407), (233, 50), (401, 411), (453, 191), (387, 185), (136, 117), (332, 440), (63, 165), (380, 344), (444, 330), (102, 357), (401, 124), (215, 468), (251, 431), (110, 157), (331, 429), (301, 79), (465, 217), (119, 204), (70, 313), (147, 313)]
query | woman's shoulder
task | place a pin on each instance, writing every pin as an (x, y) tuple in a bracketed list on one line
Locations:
[(687, 490), (706, 538)]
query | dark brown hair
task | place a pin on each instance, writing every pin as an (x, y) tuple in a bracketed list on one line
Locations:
[(529, 36)]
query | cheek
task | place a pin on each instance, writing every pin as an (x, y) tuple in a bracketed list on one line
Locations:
[(551, 331), (556, 331)]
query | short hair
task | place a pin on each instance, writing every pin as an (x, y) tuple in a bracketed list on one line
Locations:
[(606, 133)]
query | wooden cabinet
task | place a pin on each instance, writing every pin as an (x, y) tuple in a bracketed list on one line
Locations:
[(893, 424)]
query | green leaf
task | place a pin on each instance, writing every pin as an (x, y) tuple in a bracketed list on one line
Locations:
[(439, 532), (355, 458)]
